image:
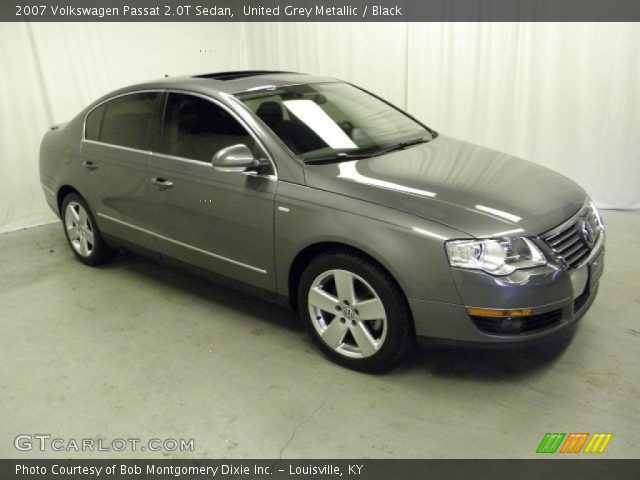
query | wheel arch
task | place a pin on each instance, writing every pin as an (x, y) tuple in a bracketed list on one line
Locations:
[(312, 251), (63, 191)]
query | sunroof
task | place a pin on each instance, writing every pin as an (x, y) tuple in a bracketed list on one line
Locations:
[(235, 75)]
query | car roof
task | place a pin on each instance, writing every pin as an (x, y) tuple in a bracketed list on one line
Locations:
[(235, 81)]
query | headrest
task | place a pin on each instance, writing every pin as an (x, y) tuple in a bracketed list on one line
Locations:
[(270, 113)]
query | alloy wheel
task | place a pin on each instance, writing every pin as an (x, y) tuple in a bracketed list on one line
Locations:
[(79, 229), (347, 313)]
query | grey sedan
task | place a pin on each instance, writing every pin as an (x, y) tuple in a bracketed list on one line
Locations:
[(317, 194)]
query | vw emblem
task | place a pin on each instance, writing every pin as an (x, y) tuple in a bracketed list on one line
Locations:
[(588, 234), (348, 313)]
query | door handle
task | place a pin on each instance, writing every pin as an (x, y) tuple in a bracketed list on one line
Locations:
[(162, 183), (90, 165)]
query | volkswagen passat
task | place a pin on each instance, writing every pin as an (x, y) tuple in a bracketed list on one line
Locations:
[(314, 192)]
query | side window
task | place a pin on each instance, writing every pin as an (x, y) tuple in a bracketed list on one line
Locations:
[(125, 121), (94, 121), (196, 128)]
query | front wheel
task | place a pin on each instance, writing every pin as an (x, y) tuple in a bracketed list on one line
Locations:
[(355, 312)]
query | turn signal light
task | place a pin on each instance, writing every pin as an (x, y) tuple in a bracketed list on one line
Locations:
[(490, 312)]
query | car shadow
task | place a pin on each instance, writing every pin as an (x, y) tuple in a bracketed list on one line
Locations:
[(491, 363), (440, 360), (204, 288)]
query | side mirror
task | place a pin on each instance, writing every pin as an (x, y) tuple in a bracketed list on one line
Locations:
[(236, 158)]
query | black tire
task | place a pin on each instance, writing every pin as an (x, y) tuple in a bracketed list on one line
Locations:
[(400, 336), (100, 253)]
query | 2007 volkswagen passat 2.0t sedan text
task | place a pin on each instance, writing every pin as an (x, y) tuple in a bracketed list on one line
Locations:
[(314, 192)]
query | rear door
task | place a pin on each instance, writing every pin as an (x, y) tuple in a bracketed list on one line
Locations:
[(222, 222), (116, 154)]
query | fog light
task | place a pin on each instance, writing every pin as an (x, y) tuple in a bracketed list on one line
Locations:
[(511, 325), (490, 312)]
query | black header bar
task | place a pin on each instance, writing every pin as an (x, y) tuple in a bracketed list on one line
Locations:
[(320, 10)]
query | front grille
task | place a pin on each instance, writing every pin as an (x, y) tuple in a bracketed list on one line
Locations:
[(531, 324), (570, 243)]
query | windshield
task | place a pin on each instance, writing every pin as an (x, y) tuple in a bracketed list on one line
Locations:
[(327, 119)]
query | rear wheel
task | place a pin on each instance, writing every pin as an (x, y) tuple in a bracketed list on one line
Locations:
[(355, 312), (82, 233)]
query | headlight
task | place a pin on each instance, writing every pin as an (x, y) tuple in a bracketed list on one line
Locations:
[(498, 256)]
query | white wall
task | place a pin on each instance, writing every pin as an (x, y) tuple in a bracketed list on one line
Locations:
[(371, 55), (50, 71), (564, 95)]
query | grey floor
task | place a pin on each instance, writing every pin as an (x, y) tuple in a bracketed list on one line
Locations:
[(139, 350)]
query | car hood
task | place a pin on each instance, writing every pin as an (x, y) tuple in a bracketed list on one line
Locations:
[(476, 190)]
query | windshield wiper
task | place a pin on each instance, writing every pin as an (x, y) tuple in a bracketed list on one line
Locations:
[(402, 145), (338, 157), (345, 156)]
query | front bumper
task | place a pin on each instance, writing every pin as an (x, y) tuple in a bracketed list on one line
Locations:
[(557, 296)]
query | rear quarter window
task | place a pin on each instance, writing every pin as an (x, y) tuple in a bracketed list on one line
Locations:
[(123, 121), (93, 124)]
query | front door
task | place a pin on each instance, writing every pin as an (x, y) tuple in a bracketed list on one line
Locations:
[(222, 222)]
